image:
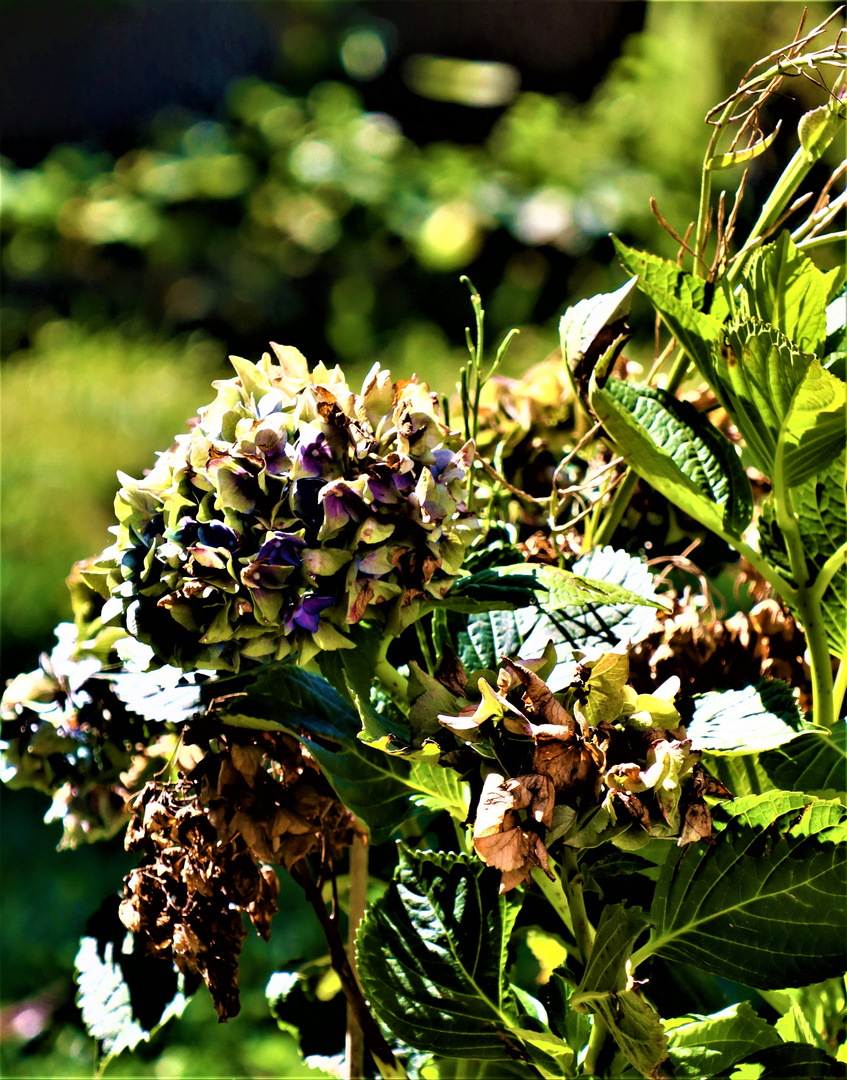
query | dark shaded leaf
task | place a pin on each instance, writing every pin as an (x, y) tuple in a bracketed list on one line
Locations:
[(765, 904), (449, 996), (813, 763), (795, 1061), (704, 1046), (124, 996)]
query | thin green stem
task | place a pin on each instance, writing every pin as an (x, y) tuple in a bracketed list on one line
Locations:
[(555, 895), (840, 688), (573, 881), (426, 652), (823, 698), (775, 205), (599, 1031), (806, 601), (616, 511), (394, 684)]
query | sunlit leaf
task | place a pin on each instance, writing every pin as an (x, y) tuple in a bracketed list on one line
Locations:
[(747, 721), (598, 619), (605, 989), (677, 451), (764, 905), (787, 290), (704, 1046), (124, 996)]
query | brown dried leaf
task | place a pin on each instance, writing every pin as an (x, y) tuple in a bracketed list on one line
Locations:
[(539, 700)]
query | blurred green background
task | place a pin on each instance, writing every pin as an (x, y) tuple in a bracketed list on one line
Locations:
[(181, 181)]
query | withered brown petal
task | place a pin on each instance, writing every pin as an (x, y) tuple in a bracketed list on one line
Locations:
[(246, 760), (697, 824), (539, 698)]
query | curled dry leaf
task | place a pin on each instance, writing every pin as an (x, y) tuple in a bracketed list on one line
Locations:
[(501, 838), (634, 772)]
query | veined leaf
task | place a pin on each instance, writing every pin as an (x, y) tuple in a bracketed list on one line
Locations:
[(747, 721), (124, 995), (432, 956), (787, 290), (794, 1061), (677, 451), (592, 333), (820, 507), (765, 905), (812, 763), (691, 308), (572, 1026), (704, 1046), (815, 431), (774, 393), (482, 639), (560, 589), (604, 989)]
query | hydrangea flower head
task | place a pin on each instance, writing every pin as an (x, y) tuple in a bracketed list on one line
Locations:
[(292, 509)]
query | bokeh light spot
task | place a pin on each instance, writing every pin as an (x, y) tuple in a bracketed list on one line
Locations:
[(363, 54)]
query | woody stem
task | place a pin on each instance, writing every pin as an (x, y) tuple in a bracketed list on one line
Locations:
[(387, 1063)]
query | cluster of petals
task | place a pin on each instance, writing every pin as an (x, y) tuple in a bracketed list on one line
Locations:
[(291, 510)]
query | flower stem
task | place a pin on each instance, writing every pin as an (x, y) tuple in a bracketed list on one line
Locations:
[(599, 1031), (354, 1047), (394, 684), (554, 893), (573, 880), (389, 1067)]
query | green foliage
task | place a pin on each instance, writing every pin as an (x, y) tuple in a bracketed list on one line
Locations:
[(451, 998), (752, 720), (573, 616), (814, 763), (704, 1046), (754, 907), (392, 632)]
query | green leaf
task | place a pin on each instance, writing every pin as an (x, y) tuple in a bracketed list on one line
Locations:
[(124, 994), (747, 721), (560, 589), (787, 290), (820, 507), (432, 955), (704, 1046), (794, 1026), (789, 410), (794, 1061), (482, 639), (814, 763), (763, 906), (592, 334), (818, 127), (633, 1023), (738, 157), (572, 1026), (691, 308), (815, 431), (677, 451)]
